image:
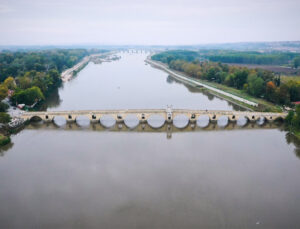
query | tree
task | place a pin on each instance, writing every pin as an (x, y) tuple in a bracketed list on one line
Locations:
[(3, 91), (3, 107), (10, 83), (270, 91), (4, 117), (289, 118), (229, 80), (240, 78), (294, 90), (296, 119), (296, 62), (283, 95), (24, 82), (256, 85), (28, 96), (55, 76)]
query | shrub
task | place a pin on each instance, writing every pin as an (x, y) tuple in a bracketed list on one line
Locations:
[(4, 117), (3, 107)]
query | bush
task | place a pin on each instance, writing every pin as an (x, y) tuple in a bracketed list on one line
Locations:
[(28, 96), (4, 140), (289, 117), (3, 107), (4, 117)]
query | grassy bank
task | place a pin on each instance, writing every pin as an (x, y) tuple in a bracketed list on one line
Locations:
[(263, 105)]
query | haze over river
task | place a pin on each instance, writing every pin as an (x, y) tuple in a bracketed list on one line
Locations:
[(79, 177)]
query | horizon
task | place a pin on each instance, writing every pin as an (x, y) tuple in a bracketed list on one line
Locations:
[(164, 45)]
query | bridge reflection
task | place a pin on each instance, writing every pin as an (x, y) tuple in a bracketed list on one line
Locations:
[(144, 127), (168, 129)]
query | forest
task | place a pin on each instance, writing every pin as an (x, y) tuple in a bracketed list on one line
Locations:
[(256, 82), (247, 57), (228, 56), (32, 75)]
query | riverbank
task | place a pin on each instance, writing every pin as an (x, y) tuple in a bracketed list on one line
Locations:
[(230, 94), (4, 140), (70, 72), (67, 74)]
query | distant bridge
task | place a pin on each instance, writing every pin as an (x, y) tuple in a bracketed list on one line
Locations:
[(145, 115)]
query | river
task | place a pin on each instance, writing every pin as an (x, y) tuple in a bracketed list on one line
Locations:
[(75, 176)]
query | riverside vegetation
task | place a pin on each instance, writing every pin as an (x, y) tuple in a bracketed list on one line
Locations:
[(257, 83), (30, 76)]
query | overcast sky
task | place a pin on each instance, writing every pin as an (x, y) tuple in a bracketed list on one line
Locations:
[(54, 22)]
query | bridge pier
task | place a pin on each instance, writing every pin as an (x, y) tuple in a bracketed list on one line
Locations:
[(70, 118)]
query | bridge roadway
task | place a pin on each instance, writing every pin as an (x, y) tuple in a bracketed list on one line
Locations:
[(144, 114)]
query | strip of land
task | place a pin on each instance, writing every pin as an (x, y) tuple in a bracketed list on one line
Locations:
[(197, 83), (68, 74)]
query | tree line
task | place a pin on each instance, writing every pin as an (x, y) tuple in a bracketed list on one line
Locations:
[(256, 82), (272, 58), (229, 56), (33, 75)]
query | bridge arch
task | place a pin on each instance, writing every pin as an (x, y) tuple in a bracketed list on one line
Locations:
[(223, 121), (82, 120), (181, 121), (131, 121), (35, 118), (203, 121), (59, 120), (107, 121), (242, 120), (156, 121), (261, 120)]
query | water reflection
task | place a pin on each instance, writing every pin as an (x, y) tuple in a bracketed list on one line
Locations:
[(52, 100), (292, 139), (107, 121), (83, 121), (58, 120), (130, 84), (181, 121), (157, 124), (131, 121), (242, 121), (5, 148), (115, 175), (55, 178), (197, 89), (156, 121)]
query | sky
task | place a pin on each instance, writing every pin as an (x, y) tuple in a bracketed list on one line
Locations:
[(151, 22)]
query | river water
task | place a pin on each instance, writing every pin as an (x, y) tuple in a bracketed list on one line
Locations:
[(88, 177)]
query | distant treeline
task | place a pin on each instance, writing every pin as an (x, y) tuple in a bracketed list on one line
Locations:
[(168, 56), (273, 58), (33, 74), (226, 56), (256, 82), (18, 63)]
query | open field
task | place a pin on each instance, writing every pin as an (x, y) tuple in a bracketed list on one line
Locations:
[(273, 68), (287, 78)]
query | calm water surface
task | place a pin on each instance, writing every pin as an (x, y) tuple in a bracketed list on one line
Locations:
[(130, 83), (79, 177)]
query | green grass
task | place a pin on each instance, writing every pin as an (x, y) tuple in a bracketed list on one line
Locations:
[(285, 79), (263, 106)]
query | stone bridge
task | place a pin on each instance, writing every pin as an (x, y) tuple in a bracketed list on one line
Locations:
[(143, 115)]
